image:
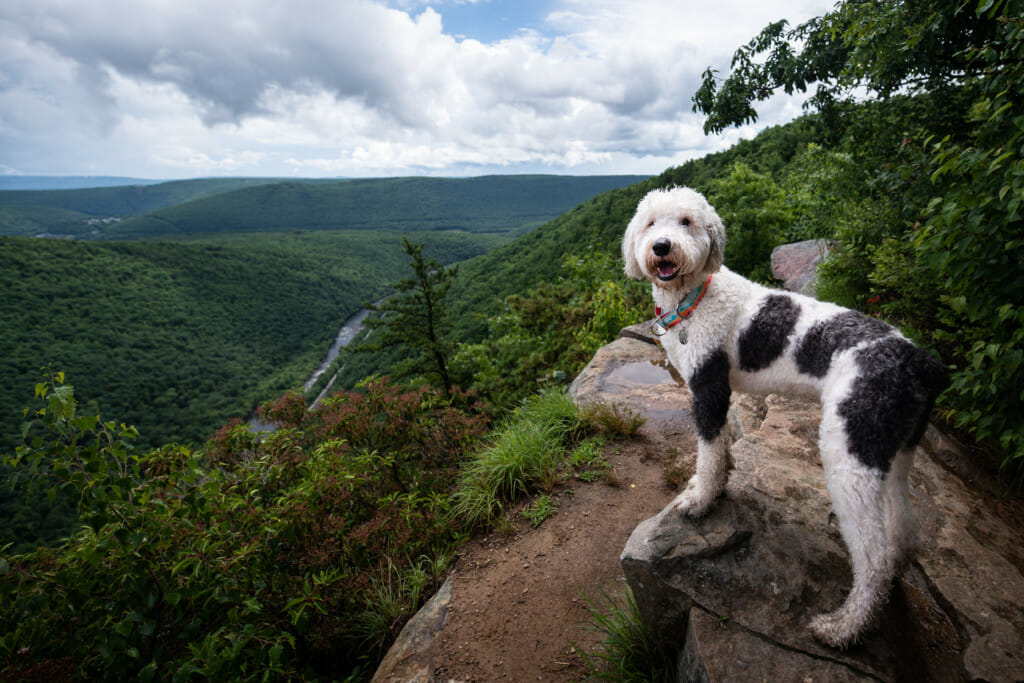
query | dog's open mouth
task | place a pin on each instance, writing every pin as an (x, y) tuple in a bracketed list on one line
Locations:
[(666, 270)]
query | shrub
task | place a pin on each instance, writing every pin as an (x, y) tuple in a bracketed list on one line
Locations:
[(756, 215), (972, 245), (545, 337), (295, 555)]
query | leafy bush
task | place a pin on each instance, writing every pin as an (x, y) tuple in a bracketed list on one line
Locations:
[(756, 216), (253, 558), (546, 336), (950, 272), (972, 245)]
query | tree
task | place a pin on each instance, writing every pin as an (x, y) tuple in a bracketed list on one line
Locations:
[(415, 319), (756, 215), (882, 46)]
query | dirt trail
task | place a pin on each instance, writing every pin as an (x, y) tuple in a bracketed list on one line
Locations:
[(519, 602)]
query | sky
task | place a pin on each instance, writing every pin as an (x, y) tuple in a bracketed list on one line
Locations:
[(358, 88)]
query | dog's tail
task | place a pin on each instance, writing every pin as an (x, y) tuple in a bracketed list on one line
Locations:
[(931, 372), (931, 378)]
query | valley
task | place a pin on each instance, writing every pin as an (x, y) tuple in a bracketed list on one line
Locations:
[(225, 292)]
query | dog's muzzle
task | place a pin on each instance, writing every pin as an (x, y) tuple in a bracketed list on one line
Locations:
[(667, 270)]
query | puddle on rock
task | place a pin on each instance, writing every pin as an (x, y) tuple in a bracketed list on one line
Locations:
[(644, 372)]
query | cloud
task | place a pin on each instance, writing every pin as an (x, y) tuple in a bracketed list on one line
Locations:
[(354, 87)]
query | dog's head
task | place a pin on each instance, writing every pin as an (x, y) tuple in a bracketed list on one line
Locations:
[(675, 239)]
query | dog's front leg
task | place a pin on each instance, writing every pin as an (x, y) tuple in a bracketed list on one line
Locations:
[(709, 385)]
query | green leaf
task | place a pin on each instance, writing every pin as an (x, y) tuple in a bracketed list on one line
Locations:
[(148, 672)]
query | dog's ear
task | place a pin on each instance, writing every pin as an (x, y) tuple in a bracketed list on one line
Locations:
[(716, 235), (629, 249)]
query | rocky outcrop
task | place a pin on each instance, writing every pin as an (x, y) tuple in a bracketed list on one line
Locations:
[(733, 591), (411, 658), (795, 264)]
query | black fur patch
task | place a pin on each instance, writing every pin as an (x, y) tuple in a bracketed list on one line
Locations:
[(766, 337), (890, 400), (710, 388), (828, 337)]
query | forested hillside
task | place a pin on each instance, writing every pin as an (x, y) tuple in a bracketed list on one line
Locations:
[(81, 212), (484, 204), (177, 338), (69, 182)]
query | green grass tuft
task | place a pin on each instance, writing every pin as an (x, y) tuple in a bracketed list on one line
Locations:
[(543, 507), (523, 456), (627, 652)]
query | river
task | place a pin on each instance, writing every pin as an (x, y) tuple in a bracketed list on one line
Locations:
[(349, 329)]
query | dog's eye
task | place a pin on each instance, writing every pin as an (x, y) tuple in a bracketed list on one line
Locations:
[(651, 223), (684, 221)]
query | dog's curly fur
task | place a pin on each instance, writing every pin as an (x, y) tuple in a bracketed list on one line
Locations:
[(876, 388)]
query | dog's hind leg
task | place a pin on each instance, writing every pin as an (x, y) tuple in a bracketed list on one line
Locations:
[(859, 499), (900, 526)]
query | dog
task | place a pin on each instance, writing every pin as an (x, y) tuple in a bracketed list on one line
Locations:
[(723, 332)]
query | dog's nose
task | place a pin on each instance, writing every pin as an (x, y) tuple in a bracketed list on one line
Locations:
[(661, 247)]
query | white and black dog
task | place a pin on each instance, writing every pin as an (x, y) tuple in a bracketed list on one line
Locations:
[(724, 333)]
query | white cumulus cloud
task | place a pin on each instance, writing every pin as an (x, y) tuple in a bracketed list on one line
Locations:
[(354, 87)]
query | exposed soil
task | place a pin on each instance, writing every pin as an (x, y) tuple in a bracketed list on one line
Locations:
[(520, 601)]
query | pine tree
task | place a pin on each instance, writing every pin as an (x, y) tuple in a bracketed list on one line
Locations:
[(415, 320)]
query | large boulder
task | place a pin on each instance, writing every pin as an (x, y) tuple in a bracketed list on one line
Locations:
[(734, 590), (796, 264)]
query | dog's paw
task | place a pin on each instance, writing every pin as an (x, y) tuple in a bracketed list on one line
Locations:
[(692, 502)]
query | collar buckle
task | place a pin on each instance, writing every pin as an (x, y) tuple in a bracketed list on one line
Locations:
[(662, 323)]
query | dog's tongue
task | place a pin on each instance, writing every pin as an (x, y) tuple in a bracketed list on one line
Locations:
[(666, 269)]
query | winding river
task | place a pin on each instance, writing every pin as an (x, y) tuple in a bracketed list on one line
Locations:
[(349, 329)]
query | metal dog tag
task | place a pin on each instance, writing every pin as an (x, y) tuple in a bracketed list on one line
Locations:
[(683, 335)]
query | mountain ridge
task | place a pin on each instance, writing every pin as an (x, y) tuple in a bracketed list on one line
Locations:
[(216, 205)]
